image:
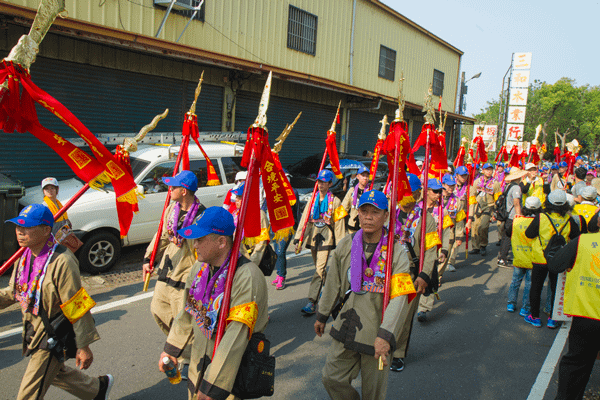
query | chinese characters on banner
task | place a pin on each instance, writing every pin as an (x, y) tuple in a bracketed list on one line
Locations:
[(517, 98), (489, 136)]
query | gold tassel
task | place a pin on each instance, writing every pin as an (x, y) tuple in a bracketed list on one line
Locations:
[(99, 181), (129, 197), (406, 200), (284, 233), (214, 182)]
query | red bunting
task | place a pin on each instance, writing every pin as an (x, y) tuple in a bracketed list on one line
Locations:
[(534, 157), (190, 129), (333, 153), (556, 154), (481, 154), (398, 135), (438, 160), (502, 154), (514, 156), (375, 160)]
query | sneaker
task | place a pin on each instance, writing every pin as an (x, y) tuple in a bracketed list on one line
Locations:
[(280, 284), (474, 251), (523, 312), (552, 324), (510, 308), (106, 383), (275, 281), (482, 252), (397, 365), (450, 268), (533, 321), (499, 243), (504, 264), (422, 316), (309, 309)]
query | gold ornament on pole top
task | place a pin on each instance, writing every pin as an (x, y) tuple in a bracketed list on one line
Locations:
[(337, 114), (384, 122), (399, 117), (428, 107), (284, 134), (261, 119), (196, 94)]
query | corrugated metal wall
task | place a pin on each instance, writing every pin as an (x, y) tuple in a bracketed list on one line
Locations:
[(106, 101), (364, 128)]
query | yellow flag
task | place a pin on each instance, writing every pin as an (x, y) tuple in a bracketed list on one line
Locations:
[(77, 306)]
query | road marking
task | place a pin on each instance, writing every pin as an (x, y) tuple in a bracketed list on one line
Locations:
[(118, 303), (538, 390)]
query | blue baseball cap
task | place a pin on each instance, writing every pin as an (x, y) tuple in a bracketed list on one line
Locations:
[(185, 179), (215, 220), (448, 180), (544, 168), (34, 215), (362, 169), (507, 170), (434, 184), (238, 191), (462, 170), (487, 165), (325, 175), (414, 182), (562, 164), (554, 166), (578, 158), (374, 198), (500, 164)]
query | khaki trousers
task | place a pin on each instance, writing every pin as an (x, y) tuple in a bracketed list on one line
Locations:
[(318, 279), (407, 318), (481, 227), (167, 302), (44, 370), (342, 367)]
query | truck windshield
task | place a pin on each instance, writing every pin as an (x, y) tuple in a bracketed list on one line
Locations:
[(138, 166)]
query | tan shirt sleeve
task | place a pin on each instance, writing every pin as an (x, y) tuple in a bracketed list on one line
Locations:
[(7, 294), (333, 290), (339, 227), (164, 239), (392, 323), (182, 330), (303, 219)]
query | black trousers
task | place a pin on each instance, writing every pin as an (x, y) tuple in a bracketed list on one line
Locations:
[(505, 240), (538, 277), (576, 366)]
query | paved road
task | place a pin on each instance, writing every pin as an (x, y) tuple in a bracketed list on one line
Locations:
[(470, 348)]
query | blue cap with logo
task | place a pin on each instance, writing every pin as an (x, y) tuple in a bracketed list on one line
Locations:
[(238, 191), (462, 170), (362, 169), (325, 175), (554, 166), (414, 182), (434, 184), (185, 179), (562, 164), (578, 158), (34, 215), (374, 198), (487, 165), (507, 170), (215, 220), (500, 164), (544, 168), (448, 180)]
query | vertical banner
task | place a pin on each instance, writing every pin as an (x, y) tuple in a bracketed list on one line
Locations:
[(517, 97), (559, 299)]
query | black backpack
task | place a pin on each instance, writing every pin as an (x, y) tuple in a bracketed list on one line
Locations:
[(500, 212), (556, 242)]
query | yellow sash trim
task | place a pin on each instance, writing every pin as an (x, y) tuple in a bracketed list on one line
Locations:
[(496, 195), (339, 213), (54, 210), (461, 215), (472, 200), (283, 234), (246, 314), (432, 239), (264, 236), (401, 284), (447, 222), (214, 182), (77, 306)]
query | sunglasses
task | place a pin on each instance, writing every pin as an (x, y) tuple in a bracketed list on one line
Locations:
[(437, 191)]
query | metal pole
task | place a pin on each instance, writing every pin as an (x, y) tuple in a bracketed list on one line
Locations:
[(196, 11), (162, 24)]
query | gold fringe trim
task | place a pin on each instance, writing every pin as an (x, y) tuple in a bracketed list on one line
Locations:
[(129, 197), (406, 200), (99, 181), (250, 241), (284, 233), (213, 182)]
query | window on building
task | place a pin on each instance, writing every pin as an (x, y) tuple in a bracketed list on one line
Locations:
[(438, 82), (387, 63), (302, 31)]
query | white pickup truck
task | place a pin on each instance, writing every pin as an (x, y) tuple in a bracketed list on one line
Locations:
[(94, 215)]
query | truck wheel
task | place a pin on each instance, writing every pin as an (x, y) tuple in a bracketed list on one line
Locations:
[(99, 252)]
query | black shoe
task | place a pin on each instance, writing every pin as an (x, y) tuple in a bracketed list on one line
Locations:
[(397, 365), (474, 251), (498, 243), (106, 383), (422, 316), (483, 252)]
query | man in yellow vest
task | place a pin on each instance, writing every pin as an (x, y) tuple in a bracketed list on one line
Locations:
[(588, 206), (533, 184), (581, 259)]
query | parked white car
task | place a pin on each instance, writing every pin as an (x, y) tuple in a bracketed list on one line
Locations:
[(94, 215)]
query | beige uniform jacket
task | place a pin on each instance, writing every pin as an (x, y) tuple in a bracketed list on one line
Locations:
[(216, 378), (359, 321), (431, 251), (174, 262), (328, 236), (481, 203), (61, 283), (353, 224), (558, 182), (461, 217)]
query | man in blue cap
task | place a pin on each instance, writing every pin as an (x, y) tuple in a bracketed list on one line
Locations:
[(350, 202), (559, 180), (481, 200), (46, 283), (357, 267), (325, 228), (462, 179), (174, 255), (451, 204), (212, 377)]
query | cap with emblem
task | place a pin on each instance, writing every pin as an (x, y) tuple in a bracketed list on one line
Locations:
[(34, 215), (362, 169), (215, 220), (448, 180), (49, 181), (325, 175), (374, 198), (562, 164), (487, 165), (462, 170), (414, 182), (184, 179), (434, 184)]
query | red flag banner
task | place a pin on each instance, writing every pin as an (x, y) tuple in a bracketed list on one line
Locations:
[(438, 153), (502, 154), (190, 129), (286, 183), (17, 112), (534, 157), (333, 154), (556, 154), (514, 156), (398, 135), (481, 154), (459, 161), (375, 160)]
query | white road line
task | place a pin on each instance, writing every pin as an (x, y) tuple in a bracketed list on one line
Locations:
[(538, 390), (114, 304)]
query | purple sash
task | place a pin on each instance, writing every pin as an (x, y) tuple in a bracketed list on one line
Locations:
[(369, 277), (30, 277)]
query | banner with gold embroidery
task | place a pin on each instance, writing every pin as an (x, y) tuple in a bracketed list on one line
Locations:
[(77, 306)]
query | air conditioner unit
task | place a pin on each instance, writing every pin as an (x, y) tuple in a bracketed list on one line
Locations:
[(182, 5)]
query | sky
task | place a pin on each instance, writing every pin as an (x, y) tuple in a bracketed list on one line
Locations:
[(561, 35)]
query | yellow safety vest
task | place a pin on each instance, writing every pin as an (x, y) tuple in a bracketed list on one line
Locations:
[(546, 232), (587, 211), (521, 244), (536, 189), (582, 287)]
